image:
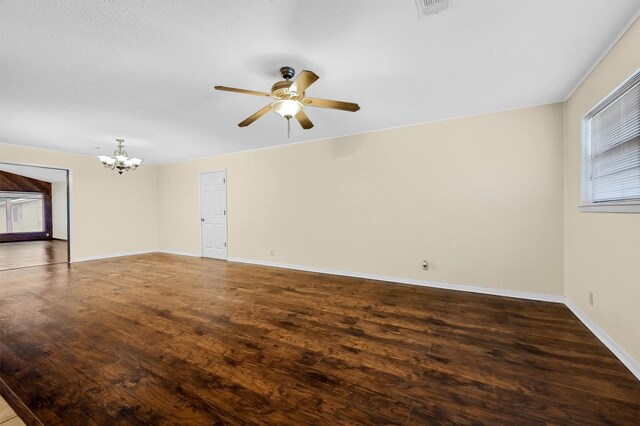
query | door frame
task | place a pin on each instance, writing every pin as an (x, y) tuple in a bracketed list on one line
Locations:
[(69, 195), (226, 198)]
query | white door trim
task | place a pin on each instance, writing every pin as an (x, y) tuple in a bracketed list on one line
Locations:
[(224, 170), (69, 170)]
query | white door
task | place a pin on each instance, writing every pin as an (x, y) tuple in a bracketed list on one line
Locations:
[(213, 214)]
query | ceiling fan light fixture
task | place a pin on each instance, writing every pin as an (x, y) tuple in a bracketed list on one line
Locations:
[(287, 107)]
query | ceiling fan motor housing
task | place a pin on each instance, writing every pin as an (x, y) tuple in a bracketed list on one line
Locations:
[(280, 90)]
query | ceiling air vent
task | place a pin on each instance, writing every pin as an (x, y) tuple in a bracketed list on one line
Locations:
[(432, 7)]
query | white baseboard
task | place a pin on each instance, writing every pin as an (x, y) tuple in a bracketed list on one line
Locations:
[(412, 281), (620, 353), (108, 256), (133, 253), (180, 253)]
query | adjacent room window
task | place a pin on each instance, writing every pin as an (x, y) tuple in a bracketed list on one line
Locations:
[(21, 212), (611, 151)]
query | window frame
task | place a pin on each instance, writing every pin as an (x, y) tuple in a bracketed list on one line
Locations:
[(587, 204), (34, 195)]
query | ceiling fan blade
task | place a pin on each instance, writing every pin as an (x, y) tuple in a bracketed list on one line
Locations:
[(247, 92), (255, 116), (304, 80), (327, 103), (303, 119)]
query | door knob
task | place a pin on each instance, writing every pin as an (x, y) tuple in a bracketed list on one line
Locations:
[(202, 219)]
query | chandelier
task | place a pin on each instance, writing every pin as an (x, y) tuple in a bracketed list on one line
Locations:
[(120, 160)]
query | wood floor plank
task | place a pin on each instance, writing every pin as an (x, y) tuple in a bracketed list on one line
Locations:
[(161, 339), (22, 254)]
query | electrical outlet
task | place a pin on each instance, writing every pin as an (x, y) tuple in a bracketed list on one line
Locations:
[(591, 298), (425, 265), (272, 252)]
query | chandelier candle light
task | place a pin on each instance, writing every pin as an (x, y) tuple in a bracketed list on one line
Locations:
[(120, 160)]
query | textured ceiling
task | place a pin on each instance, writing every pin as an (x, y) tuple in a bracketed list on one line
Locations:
[(75, 75)]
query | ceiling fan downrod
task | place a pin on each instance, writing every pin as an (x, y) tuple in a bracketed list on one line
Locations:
[(287, 73)]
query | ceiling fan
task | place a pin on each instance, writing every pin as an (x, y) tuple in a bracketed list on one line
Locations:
[(290, 100)]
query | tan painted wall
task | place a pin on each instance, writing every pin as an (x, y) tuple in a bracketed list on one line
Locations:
[(59, 209), (479, 197), (603, 249), (110, 214)]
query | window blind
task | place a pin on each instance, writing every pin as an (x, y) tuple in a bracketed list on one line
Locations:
[(614, 136)]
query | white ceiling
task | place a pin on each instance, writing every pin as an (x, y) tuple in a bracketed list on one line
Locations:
[(40, 173), (76, 74)]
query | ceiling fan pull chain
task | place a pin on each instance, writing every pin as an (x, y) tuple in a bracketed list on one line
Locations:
[(288, 127)]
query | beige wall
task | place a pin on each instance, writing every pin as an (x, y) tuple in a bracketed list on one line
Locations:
[(59, 209), (110, 214), (602, 249), (480, 198)]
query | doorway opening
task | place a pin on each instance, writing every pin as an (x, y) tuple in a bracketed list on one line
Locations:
[(34, 216)]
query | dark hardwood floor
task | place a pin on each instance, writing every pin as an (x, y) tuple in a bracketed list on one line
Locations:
[(22, 254), (161, 339)]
